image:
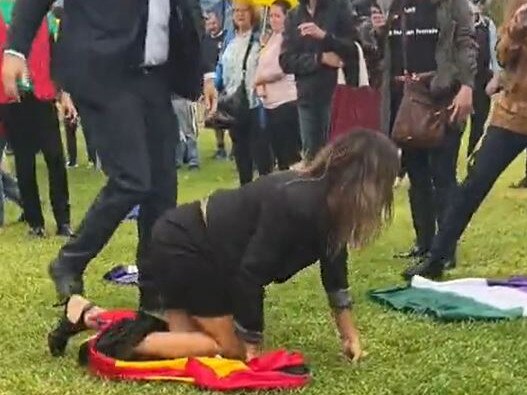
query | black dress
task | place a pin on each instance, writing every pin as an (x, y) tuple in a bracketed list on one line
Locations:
[(217, 261)]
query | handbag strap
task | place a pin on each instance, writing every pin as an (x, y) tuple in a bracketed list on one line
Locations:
[(246, 57), (404, 40)]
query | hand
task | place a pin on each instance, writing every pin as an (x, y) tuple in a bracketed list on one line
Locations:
[(210, 95), (252, 351), (352, 349), (331, 59), (68, 108), (13, 70), (461, 105), (260, 90), (310, 29), (493, 86), (378, 20)]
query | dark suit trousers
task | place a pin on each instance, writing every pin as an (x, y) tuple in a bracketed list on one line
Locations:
[(135, 136), (33, 126)]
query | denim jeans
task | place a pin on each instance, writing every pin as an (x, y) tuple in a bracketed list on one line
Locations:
[(314, 127), (188, 145), (8, 186)]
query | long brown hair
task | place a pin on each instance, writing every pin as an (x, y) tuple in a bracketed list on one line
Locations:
[(512, 35), (361, 168)]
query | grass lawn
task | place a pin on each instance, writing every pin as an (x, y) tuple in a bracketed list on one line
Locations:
[(408, 354)]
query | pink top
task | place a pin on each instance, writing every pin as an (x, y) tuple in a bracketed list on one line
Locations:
[(279, 88)]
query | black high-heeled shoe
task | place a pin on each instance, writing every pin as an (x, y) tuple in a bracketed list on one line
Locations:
[(58, 338)]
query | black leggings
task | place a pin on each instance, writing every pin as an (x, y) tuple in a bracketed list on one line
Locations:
[(251, 145), (498, 149), (479, 118), (283, 130)]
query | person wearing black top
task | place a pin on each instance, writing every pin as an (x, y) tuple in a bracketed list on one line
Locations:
[(318, 40), (440, 49), (210, 261), (121, 61)]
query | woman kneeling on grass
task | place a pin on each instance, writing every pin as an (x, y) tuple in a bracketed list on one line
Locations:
[(211, 260)]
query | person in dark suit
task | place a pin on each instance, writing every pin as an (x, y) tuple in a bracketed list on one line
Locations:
[(120, 60), (212, 259)]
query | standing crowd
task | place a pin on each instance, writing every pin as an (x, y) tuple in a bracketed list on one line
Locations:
[(268, 79)]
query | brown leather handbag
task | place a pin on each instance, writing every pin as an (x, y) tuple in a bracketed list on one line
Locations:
[(422, 119)]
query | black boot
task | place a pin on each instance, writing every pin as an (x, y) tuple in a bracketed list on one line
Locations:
[(65, 230), (65, 329), (430, 268), (415, 252)]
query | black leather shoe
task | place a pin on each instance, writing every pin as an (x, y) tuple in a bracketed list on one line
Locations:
[(66, 281), (65, 329), (415, 252), (65, 231), (429, 268), (37, 231)]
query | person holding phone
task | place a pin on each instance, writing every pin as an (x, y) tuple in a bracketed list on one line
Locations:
[(32, 126), (318, 40)]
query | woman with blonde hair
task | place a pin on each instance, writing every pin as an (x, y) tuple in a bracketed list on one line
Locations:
[(237, 66), (505, 139)]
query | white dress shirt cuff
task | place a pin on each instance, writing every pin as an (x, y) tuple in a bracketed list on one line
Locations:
[(209, 76), (14, 53)]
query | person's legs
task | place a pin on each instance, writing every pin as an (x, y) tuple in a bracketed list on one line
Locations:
[(46, 119), (192, 138), (221, 152), (498, 149), (478, 119), (260, 146), (161, 122), (443, 166), (421, 199), (118, 129), (283, 131), (23, 136), (241, 140), (10, 189), (70, 127), (314, 124)]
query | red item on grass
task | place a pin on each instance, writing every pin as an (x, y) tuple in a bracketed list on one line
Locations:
[(269, 372)]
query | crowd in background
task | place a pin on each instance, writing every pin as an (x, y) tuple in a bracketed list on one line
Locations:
[(287, 63)]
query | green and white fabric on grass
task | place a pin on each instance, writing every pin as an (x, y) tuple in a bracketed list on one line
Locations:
[(458, 300)]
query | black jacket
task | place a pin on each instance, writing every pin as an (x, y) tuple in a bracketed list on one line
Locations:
[(302, 56), (268, 231), (102, 40)]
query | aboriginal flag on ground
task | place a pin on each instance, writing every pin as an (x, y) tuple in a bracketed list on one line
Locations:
[(276, 370)]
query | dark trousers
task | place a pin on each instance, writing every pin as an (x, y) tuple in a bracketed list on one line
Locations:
[(135, 136), (251, 146), (432, 174), (314, 127), (33, 126), (479, 117), (71, 127), (498, 149), (283, 129)]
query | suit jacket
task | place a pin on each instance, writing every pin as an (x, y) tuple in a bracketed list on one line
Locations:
[(103, 40)]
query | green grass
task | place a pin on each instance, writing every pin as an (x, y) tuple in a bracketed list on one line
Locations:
[(408, 354)]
